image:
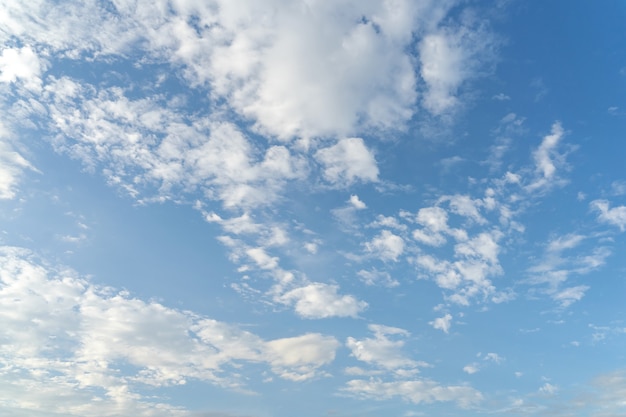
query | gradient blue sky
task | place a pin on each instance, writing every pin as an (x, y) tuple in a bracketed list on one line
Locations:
[(349, 208)]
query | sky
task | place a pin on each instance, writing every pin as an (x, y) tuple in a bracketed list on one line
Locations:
[(349, 208)]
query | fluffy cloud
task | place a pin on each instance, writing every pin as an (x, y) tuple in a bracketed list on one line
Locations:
[(348, 161), (105, 128), (83, 347), (299, 358), (382, 351), (21, 64), (442, 323), (386, 246), (317, 300), (295, 70)]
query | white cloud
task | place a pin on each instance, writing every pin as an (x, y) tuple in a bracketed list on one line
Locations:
[(311, 247), (12, 166), (357, 203), (21, 64), (615, 216), (568, 296), (295, 79), (381, 350), (431, 239), (450, 57), (317, 300), (565, 242), (262, 259), (76, 349), (294, 70), (493, 357), (547, 159), (618, 188), (386, 246), (465, 206), (554, 269), (376, 277), (106, 128), (471, 368), (299, 358), (442, 323), (501, 97), (434, 218), (388, 222), (548, 389), (348, 161), (414, 391)]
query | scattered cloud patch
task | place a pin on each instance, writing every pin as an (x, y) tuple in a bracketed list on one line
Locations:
[(317, 300), (442, 323), (347, 162)]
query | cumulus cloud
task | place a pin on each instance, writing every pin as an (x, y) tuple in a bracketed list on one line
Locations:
[(381, 350), (357, 203), (348, 161), (442, 323), (386, 246), (318, 300), (82, 347), (548, 389), (299, 358), (108, 129), (294, 70), (21, 64), (471, 368)]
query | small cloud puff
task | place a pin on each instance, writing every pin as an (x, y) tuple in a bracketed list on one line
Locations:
[(442, 323)]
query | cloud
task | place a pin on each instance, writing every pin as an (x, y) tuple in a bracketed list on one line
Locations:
[(381, 351), (108, 129), (357, 203), (317, 300), (12, 166), (78, 347), (449, 57), (299, 358), (493, 357), (568, 296), (348, 161), (442, 323), (615, 216), (501, 97), (471, 368), (376, 277), (554, 269), (414, 391), (386, 246), (547, 159), (294, 79), (21, 64), (548, 389)]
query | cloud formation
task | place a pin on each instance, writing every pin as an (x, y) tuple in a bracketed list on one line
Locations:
[(66, 337)]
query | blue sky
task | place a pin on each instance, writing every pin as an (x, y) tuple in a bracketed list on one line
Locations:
[(276, 208)]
